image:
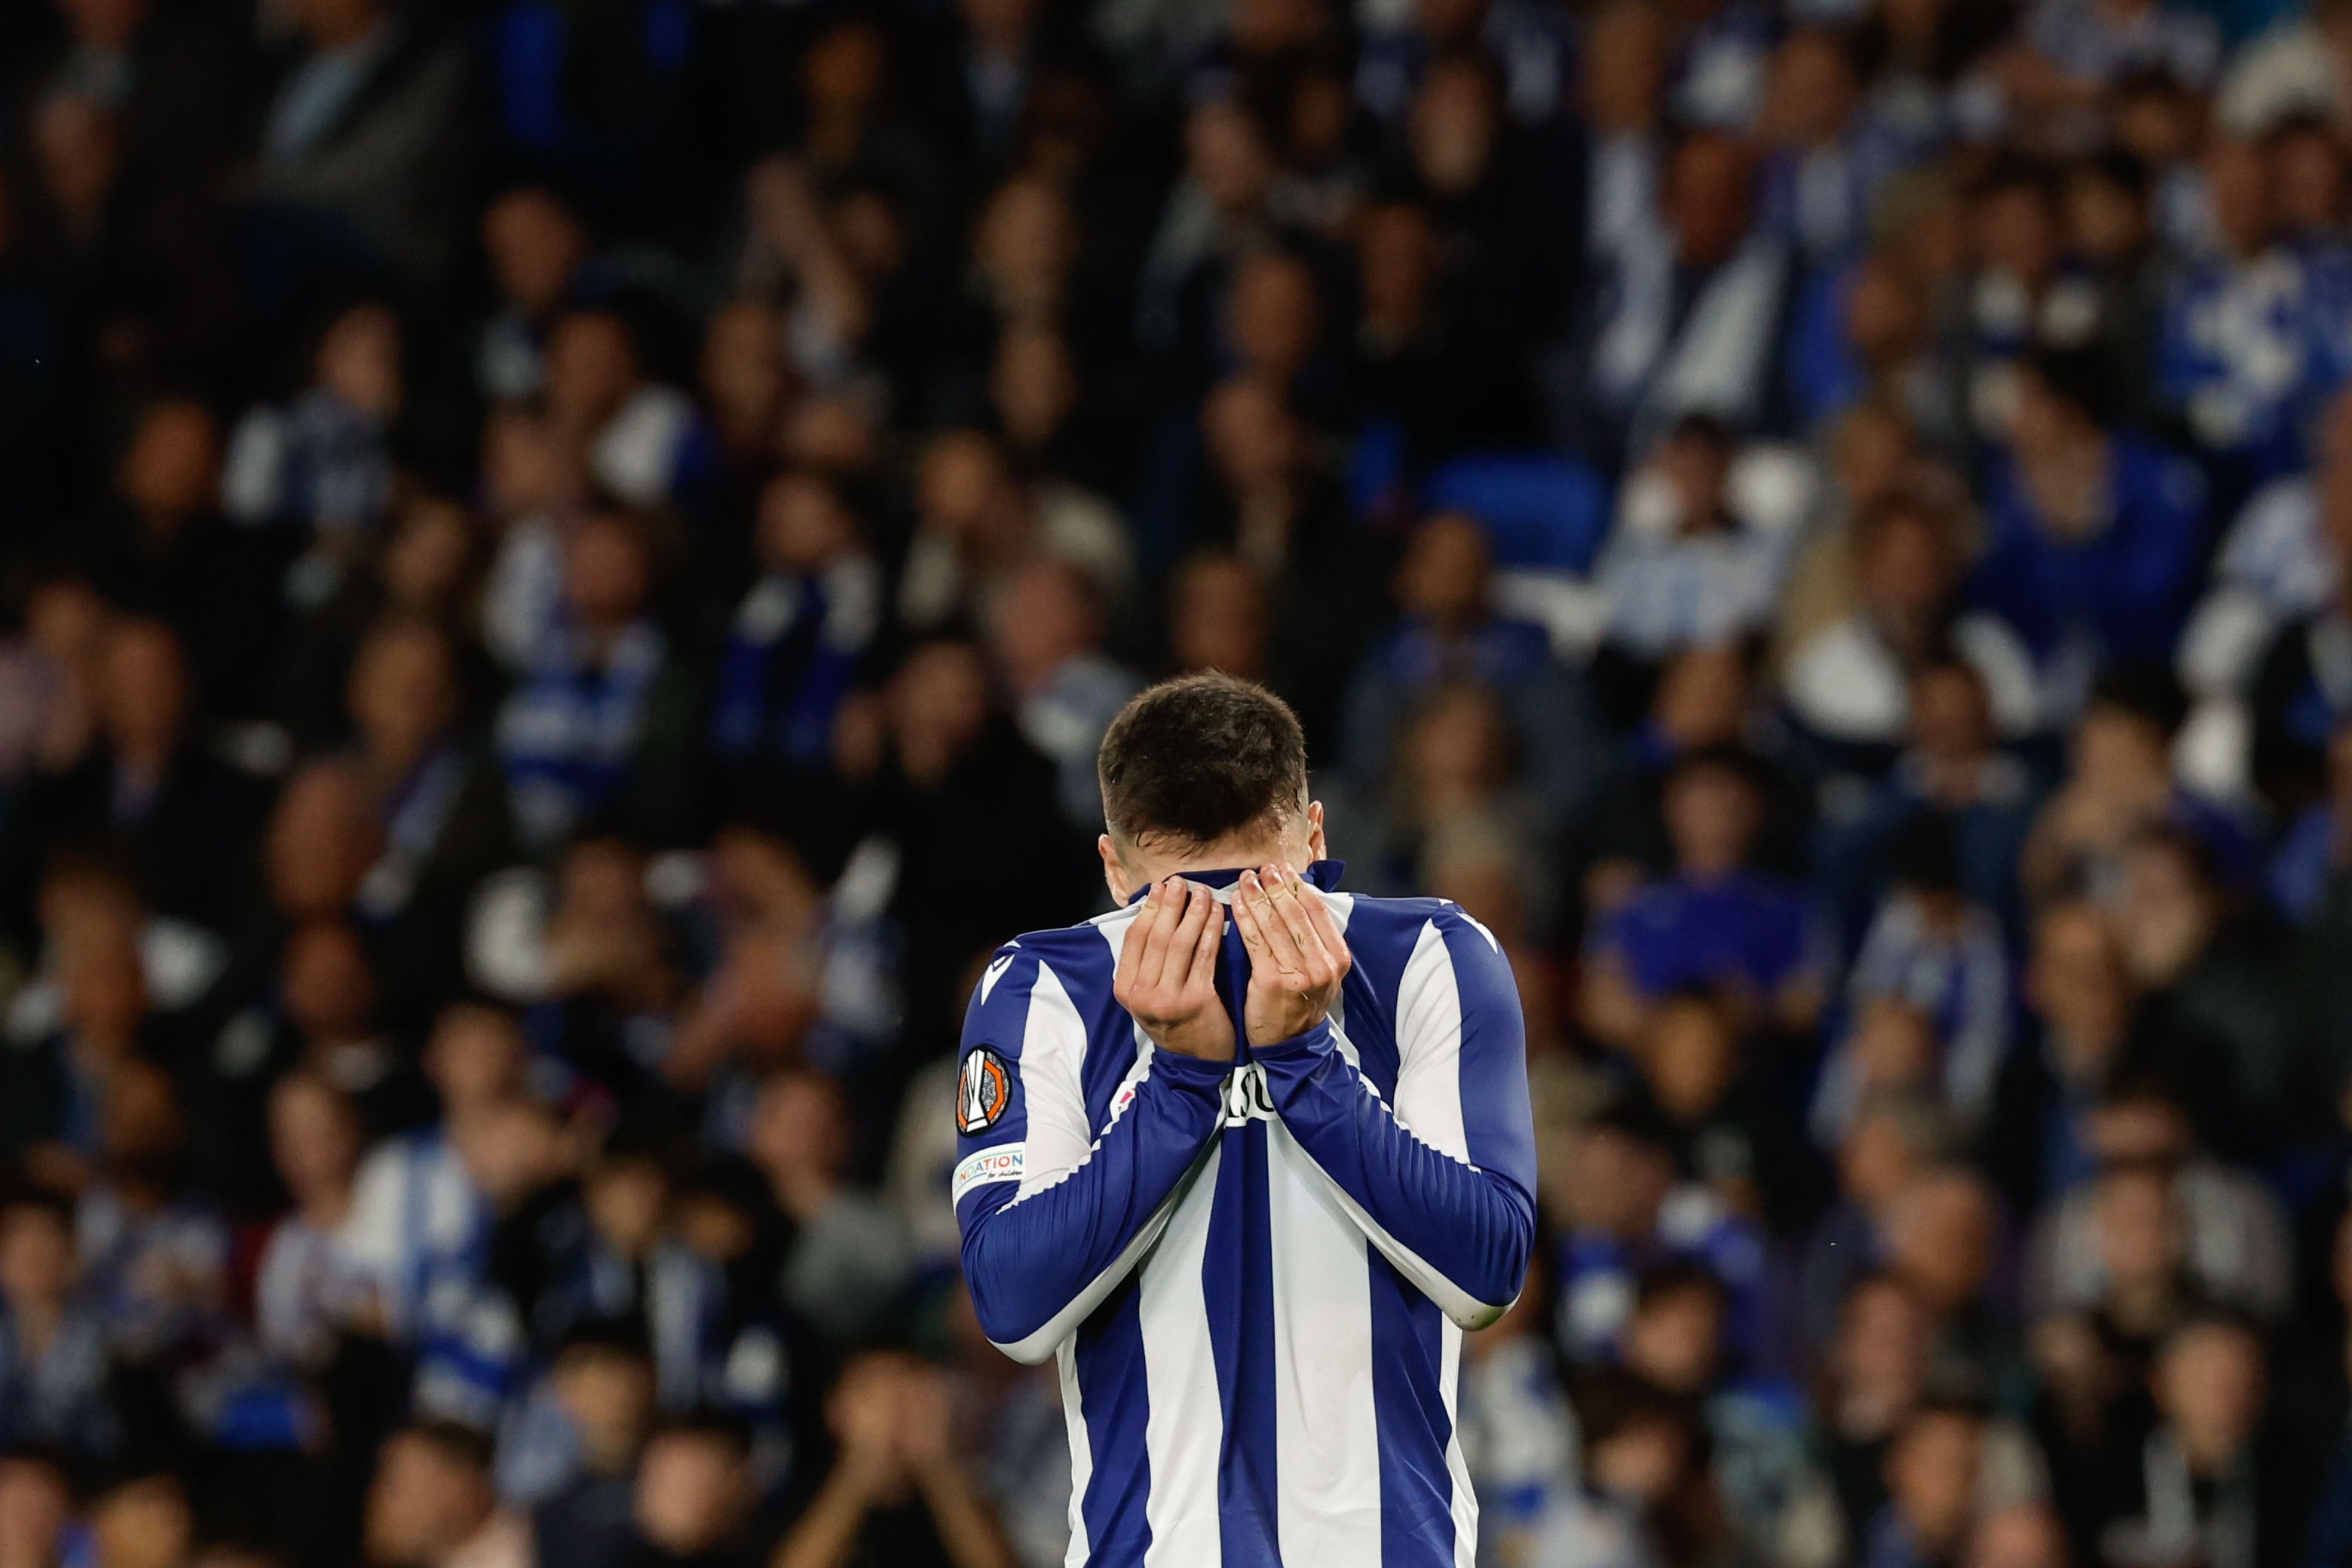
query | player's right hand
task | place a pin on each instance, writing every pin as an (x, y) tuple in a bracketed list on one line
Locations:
[(1167, 975)]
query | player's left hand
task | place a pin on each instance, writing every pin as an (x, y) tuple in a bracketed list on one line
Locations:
[(1297, 957)]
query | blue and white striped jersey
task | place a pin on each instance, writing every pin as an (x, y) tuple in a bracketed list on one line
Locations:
[(1253, 1274)]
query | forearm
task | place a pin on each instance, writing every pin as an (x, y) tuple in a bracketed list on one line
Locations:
[(1036, 1259), (1461, 1233), (1609, 1005), (966, 1525), (827, 1531)]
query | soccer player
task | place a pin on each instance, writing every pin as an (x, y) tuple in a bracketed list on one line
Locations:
[(1245, 1156)]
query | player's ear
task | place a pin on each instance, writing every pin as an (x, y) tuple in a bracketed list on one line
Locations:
[(1114, 873), (1316, 848)]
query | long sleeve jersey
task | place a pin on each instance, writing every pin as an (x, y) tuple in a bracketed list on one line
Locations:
[(1254, 1276)]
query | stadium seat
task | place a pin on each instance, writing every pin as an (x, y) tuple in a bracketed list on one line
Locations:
[(1540, 509)]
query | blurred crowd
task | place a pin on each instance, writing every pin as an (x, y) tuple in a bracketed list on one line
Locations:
[(563, 563)]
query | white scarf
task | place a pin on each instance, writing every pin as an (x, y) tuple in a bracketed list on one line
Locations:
[(1717, 364)]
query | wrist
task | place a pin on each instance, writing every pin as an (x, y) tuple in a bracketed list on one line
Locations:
[(1198, 1046), (935, 1475), (1311, 1041), (1188, 1071), (864, 1474)]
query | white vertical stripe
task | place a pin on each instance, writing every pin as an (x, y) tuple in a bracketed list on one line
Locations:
[(1114, 928), (1186, 1422), (1428, 1099), (1082, 1452), (1327, 1428), (1053, 1053), (1037, 1347), (1049, 1026), (1428, 1104), (1341, 906), (1466, 1499), (1342, 1043)]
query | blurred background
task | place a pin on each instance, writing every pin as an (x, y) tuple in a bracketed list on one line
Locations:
[(563, 563)]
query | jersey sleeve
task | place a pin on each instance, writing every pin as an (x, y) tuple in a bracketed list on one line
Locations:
[(1442, 1181), (1053, 1216)]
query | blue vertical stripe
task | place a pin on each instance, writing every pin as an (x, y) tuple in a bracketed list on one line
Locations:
[(1416, 1488), (1238, 1285), (1115, 1402), (1382, 942)]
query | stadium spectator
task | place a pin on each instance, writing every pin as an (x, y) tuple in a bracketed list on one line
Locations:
[(1716, 924), (432, 1503), (562, 568), (58, 1351)]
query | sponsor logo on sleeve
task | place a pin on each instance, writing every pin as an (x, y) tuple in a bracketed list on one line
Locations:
[(1001, 1164), (983, 1092)]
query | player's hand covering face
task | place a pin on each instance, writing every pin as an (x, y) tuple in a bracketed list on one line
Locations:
[(1168, 972), (1297, 957)]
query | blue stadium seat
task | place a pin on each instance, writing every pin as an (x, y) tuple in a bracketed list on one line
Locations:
[(1540, 509)]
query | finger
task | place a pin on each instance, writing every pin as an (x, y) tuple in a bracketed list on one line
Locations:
[(1184, 934), (1202, 978), (1169, 898), (1313, 961), (1152, 966), (1139, 938), (1248, 905), (1317, 938), (1130, 952), (1326, 928), (1281, 949)]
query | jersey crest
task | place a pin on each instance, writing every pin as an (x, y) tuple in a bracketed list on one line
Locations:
[(983, 1092)]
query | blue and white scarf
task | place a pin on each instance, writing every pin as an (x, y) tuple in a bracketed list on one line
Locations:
[(569, 732), (317, 463), (790, 658), (1717, 363)]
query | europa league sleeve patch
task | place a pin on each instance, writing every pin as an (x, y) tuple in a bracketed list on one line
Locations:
[(983, 1090)]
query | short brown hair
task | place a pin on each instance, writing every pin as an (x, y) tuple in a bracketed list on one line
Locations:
[(1200, 757)]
